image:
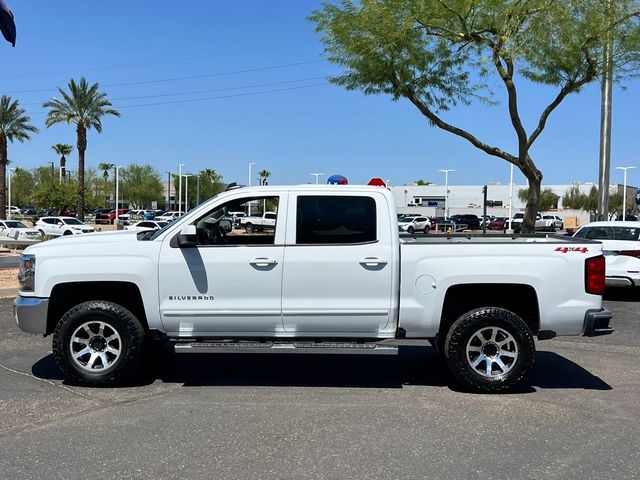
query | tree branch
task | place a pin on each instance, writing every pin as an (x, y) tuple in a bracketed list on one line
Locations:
[(438, 122)]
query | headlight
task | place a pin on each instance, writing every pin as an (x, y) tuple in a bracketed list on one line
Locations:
[(27, 272)]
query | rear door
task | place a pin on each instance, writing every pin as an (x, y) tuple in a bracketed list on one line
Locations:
[(339, 264)]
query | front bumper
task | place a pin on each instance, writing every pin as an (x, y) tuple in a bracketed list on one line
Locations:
[(596, 322), (31, 314)]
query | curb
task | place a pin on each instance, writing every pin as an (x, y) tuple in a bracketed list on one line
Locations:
[(8, 292)]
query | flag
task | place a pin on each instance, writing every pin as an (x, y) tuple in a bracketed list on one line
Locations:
[(7, 25)]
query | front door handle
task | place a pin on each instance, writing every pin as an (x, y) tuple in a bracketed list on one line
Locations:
[(372, 261), (263, 262)]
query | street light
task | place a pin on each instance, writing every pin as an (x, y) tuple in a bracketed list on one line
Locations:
[(9, 188), (317, 175), (510, 197), (186, 192), (446, 192), (624, 192), (180, 187), (117, 167), (248, 185)]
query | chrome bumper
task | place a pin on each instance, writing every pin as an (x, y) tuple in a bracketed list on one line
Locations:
[(31, 314), (596, 322)]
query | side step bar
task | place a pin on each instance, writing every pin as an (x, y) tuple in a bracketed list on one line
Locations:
[(287, 347)]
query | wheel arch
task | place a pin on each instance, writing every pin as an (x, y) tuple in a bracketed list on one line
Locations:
[(518, 298), (65, 296)]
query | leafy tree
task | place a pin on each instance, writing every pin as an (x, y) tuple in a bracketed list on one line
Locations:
[(23, 184), (141, 185), (420, 182), (439, 54), (14, 125), (577, 200), (62, 149), (106, 191), (547, 201), (51, 194), (84, 106), (210, 183)]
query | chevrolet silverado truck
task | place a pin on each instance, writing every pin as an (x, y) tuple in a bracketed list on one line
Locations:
[(333, 276)]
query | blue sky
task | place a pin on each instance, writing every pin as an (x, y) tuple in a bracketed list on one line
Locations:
[(245, 51)]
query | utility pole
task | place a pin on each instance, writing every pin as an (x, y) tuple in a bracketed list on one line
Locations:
[(624, 192), (605, 123), (180, 187), (446, 191)]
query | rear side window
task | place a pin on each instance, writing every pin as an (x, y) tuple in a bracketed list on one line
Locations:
[(626, 233), (598, 233), (335, 219)]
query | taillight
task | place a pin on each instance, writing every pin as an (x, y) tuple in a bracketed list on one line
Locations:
[(594, 269), (631, 253)]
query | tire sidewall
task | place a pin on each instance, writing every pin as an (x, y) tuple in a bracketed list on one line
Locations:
[(121, 320), (466, 326)]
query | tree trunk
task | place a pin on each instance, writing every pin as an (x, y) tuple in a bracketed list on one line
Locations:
[(81, 133), (3, 177), (533, 200)]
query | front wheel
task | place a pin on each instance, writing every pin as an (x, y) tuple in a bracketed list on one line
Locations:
[(248, 228), (489, 349), (98, 343), (410, 230)]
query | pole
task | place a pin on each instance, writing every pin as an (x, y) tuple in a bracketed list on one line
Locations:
[(180, 187), (484, 210), (446, 191), (168, 204), (248, 185), (510, 195), (117, 192), (186, 193), (624, 192), (9, 188), (198, 190), (605, 125)]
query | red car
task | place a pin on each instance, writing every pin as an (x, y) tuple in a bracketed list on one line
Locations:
[(499, 223), (110, 217)]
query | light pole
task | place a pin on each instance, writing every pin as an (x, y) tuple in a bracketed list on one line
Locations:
[(248, 185), (9, 192), (118, 167), (446, 190), (168, 204), (180, 187), (186, 192), (624, 192), (317, 175), (510, 196)]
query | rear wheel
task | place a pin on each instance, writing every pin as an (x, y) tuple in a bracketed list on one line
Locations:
[(248, 228), (489, 349), (410, 230), (98, 343)]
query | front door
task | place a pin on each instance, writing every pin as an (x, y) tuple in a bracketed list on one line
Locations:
[(231, 282)]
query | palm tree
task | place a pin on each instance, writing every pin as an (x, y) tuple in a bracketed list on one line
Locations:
[(14, 125), (105, 167), (264, 175), (84, 106), (62, 149)]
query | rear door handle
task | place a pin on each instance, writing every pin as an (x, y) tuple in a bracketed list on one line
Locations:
[(263, 262), (372, 261)]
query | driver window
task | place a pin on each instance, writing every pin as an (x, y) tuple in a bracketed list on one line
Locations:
[(245, 221)]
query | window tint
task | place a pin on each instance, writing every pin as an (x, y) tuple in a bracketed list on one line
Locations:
[(626, 233), (598, 233), (335, 219)]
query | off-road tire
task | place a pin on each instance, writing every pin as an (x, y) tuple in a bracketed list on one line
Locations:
[(132, 340), (459, 338)]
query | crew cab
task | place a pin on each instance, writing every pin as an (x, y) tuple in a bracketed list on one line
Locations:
[(546, 223), (332, 276)]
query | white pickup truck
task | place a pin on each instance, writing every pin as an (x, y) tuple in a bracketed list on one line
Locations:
[(265, 222), (332, 277)]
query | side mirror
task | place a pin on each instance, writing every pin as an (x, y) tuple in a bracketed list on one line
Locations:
[(13, 233), (225, 225), (187, 237)]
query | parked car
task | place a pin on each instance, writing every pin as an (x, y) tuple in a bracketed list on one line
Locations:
[(267, 221), (24, 232), (471, 221), (168, 216), (412, 223), (619, 237), (59, 226), (29, 210), (12, 210), (109, 217), (498, 223), (146, 225), (542, 224), (621, 270), (235, 218), (557, 221)]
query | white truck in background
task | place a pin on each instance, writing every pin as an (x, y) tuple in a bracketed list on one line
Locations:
[(332, 276), (259, 224)]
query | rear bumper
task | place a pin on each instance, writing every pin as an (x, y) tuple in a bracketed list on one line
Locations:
[(596, 322), (622, 282), (31, 314)]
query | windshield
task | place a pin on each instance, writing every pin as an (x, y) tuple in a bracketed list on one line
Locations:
[(15, 224), (72, 221)]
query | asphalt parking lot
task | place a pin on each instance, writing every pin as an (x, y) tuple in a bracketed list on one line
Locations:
[(234, 416)]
